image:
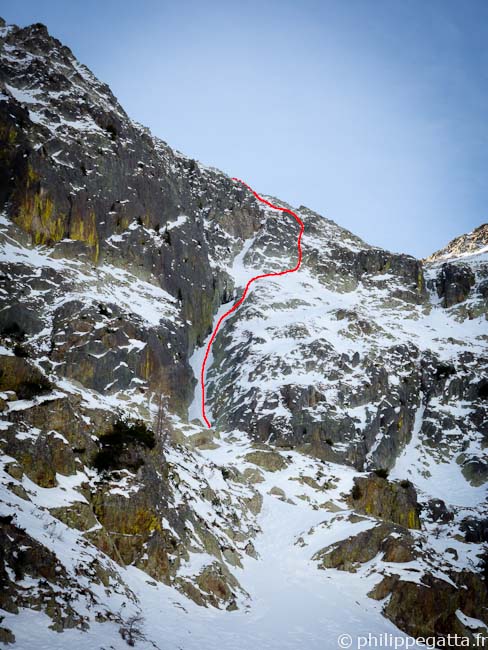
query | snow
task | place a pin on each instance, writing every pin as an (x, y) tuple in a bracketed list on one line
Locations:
[(439, 479), (65, 493), (177, 223), (470, 622), (283, 319), (292, 603), (474, 255), (104, 283), (25, 96), (239, 271), (196, 361), (37, 102), (286, 602)]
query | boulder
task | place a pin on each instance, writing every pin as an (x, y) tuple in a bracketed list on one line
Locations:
[(77, 515), (391, 501), (428, 608), (219, 586), (475, 530), (396, 544), (278, 492), (271, 461), (437, 511), (19, 375)]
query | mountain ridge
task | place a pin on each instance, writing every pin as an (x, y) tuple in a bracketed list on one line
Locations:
[(343, 484), (471, 243)]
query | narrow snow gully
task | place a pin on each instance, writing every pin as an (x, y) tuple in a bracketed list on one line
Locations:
[(196, 360), (222, 316)]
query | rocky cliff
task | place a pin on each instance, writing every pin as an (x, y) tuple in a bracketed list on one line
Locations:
[(347, 462)]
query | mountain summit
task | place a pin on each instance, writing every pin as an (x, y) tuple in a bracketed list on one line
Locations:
[(342, 488)]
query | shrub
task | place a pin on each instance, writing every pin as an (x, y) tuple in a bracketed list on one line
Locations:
[(131, 630), (356, 492), (103, 310), (444, 370), (20, 351), (125, 432), (112, 131), (483, 389), (483, 566), (119, 444), (13, 331)]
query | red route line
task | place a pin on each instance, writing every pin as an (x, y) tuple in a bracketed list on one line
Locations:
[(241, 299)]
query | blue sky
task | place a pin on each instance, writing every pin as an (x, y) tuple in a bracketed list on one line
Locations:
[(371, 112)]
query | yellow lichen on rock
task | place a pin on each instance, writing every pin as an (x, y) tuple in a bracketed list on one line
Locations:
[(85, 230), (144, 522), (420, 281), (38, 217), (8, 138), (387, 500)]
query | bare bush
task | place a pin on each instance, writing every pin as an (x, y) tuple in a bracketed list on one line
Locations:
[(131, 629)]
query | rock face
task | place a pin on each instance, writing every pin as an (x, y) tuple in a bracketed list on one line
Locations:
[(394, 543), (429, 609), (22, 378), (454, 284), (116, 254), (88, 181), (395, 502), (23, 559), (322, 363), (472, 243), (269, 460)]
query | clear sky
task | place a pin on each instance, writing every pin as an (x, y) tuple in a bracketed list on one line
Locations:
[(371, 112)]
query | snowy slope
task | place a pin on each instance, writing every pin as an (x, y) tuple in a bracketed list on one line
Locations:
[(277, 528)]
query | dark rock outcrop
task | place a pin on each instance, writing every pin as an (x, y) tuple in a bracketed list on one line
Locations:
[(23, 557), (429, 609), (394, 543), (454, 283), (387, 500)]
